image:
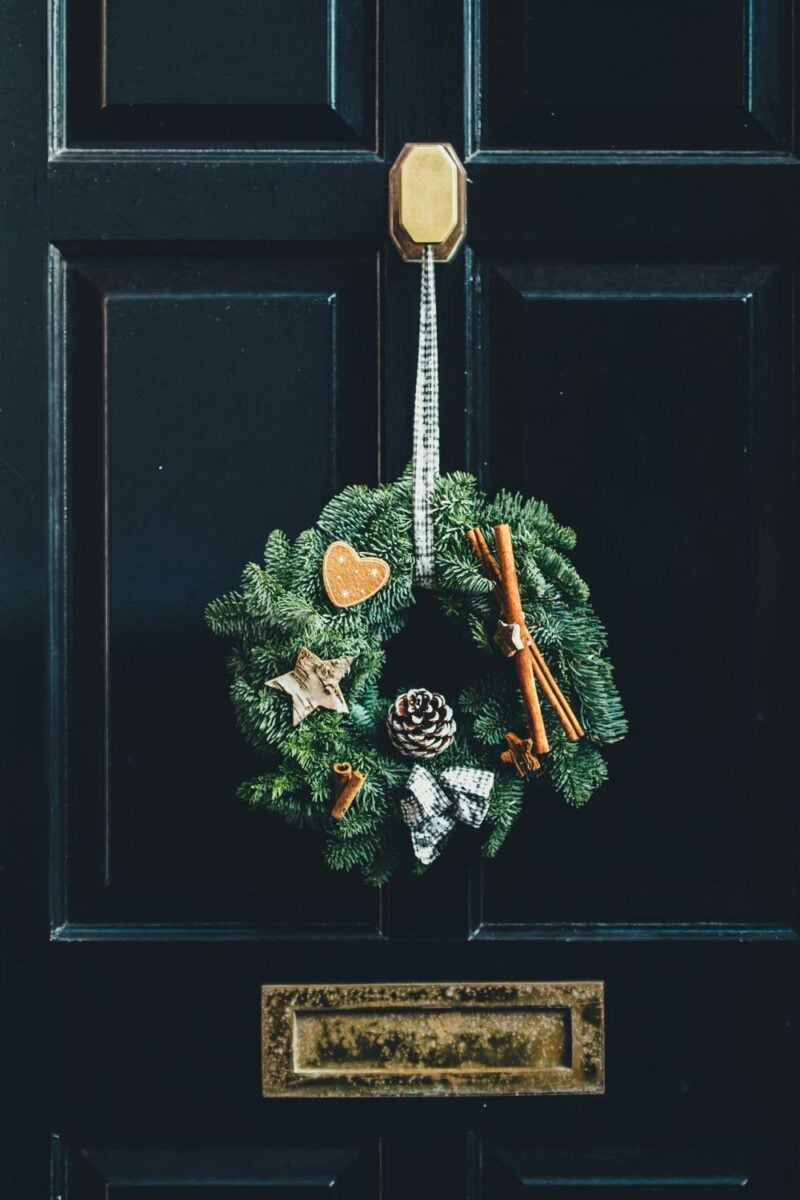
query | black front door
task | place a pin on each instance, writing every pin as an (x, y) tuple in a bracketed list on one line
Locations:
[(206, 332)]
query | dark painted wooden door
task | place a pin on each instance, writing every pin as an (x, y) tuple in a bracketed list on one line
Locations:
[(205, 333)]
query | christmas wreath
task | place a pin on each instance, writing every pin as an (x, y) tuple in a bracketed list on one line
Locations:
[(310, 629), (290, 612)]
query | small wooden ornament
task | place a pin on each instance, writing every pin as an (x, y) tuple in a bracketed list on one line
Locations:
[(350, 577), (313, 683), (347, 783), (519, 755), (509, 638)]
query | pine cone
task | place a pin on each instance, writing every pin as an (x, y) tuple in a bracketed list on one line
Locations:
[(421, 724)]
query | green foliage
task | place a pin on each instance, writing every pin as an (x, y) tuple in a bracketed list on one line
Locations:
[(281, 606)]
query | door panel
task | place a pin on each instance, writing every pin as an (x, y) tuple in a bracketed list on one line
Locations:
[(228, 336), (259, 73), (177, 374), (632, 75), (299, 1172), (509, 1171), (652, 405)]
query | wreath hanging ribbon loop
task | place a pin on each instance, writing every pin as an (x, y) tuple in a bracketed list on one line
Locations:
[(426, 426), (431, 806)]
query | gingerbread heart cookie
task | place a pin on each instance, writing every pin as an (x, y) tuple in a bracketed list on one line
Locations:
[(350, 577)]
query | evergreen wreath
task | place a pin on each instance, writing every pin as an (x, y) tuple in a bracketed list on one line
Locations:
[(282, 608)]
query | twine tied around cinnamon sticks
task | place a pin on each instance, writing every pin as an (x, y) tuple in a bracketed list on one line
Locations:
[(516, 640)]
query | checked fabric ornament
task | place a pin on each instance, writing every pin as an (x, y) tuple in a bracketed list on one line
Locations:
[(432, 807)]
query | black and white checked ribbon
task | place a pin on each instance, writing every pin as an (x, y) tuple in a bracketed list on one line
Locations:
[(432, 806), (426, 425)]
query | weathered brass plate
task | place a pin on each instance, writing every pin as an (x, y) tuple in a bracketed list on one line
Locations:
[(432, 1039), (427, 200)]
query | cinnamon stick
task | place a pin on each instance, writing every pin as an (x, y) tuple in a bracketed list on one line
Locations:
[(555, 697), (512, 603), (485, 555), (572, 726), (347, 783)]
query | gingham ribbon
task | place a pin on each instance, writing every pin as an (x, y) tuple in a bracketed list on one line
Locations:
[(426, 425), (432, 807)]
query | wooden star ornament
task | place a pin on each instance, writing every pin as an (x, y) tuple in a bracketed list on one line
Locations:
[(519, 755), (313, 683)]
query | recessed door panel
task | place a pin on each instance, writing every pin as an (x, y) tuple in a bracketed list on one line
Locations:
[(180, 374), (632, 75), (258, 73), (649, 403)]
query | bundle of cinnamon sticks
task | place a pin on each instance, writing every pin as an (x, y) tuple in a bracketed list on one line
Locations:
[(530, 664)]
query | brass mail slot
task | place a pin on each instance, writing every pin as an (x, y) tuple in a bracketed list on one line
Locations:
[(432, 1039)]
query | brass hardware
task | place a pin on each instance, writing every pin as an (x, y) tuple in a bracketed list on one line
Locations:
[(427, 200), (432, 1039)]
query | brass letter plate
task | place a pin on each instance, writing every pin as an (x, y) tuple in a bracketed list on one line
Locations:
[(432, 1039)]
